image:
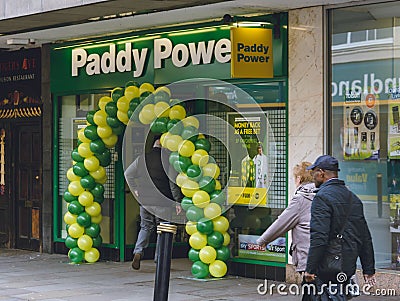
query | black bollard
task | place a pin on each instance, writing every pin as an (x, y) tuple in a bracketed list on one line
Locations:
[(161, 286)]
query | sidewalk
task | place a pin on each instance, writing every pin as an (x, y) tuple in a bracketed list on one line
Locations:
[(28, 275)]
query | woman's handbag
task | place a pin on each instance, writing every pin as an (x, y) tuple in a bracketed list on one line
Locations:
[(331, 264)]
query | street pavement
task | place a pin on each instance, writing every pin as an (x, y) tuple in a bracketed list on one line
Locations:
[(26, 275)]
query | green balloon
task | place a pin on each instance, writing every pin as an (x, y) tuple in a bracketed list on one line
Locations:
[(76, 255), (175, 126), (223, 253), (159, 125), (99, 199), (76, 156), (88, 182), (203, 144), (146, 94), (205, 226), (75, 208), (89, 117), (97, 146), (119, 130), (218, 196), (174, 156), (93, 230), (70, 242), (194, 213), (182, 164), (111, 109), (207, 184), (190, 133), (79, 169), (161, 96), (104, 158), (186, 203), (200, 270), (176, 101), (117, 93), (193, 255), (90, 132), (68, 197), (113, 121), (132, 83), (194, 172), (97, 241), (84, 219), (134, 104), (215, 239), (97, 190)]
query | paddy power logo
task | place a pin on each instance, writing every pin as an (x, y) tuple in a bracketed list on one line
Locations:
[(133, 59)]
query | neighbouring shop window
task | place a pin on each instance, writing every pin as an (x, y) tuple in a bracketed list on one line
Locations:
[(365, 123), (73, 111)]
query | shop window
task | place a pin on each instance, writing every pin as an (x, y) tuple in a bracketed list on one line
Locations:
[(72, 117), (364, 117)]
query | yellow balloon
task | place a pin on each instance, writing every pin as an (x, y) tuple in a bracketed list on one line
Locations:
[(92, 255), (70, 218), (131, 92), (191, 227), (163, 88), (110, 141), (146, 87), (161, 109), (189, 188), (200, 157), (75, 188), (218, 185), (201, 199), (75, 230), (86, 198), (186, 148), (181, 178), (123, 117), (104, 131), (84, 150), (207, 254), (94, 209), (103, 101), (100, 118), (91, 163), (102, 180), (221, 224), (85, 242), (212, 210), (198, 240), (211, 170), (99, 173), (201, 136), (82, 137), (218, 268), (177, 112), (123, 104), (71, 176), (97, 219), (148, 113), (227, 239), (172, 142), (191, 121), (164, 138)]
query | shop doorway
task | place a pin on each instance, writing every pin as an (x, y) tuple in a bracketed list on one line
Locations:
[(27, 166)]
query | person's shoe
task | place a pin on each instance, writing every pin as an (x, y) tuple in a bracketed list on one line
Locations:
[(136, 261)]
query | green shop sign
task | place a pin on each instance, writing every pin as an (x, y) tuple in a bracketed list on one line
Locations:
[(153, 58)]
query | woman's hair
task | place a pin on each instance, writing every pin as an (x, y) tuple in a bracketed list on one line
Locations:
[(300, 170)]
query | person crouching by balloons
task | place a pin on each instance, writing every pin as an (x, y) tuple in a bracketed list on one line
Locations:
[(148, 180)]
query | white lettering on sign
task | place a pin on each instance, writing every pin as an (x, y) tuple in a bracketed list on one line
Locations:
[(128, 59)]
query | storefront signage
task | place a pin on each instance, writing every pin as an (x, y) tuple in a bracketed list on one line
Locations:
[(251, 53), (274, 251)]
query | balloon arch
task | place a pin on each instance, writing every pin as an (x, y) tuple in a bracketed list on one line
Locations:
[(197, 178)]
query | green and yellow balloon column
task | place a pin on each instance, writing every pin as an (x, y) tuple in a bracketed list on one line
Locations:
[(189, 156)]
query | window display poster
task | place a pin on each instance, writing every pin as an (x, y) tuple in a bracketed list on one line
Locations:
[(394, 127), (360, 127), (248, 180), (274, 251)]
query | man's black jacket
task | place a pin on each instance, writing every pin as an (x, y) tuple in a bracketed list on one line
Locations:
[(328, 212)]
